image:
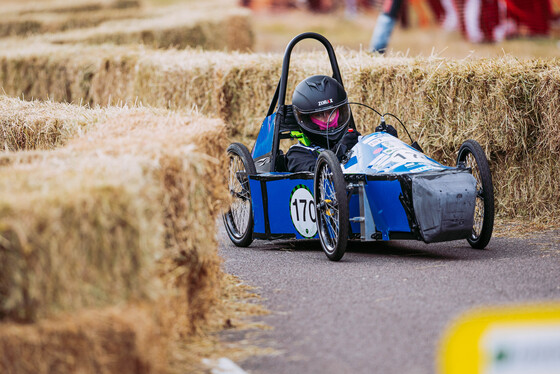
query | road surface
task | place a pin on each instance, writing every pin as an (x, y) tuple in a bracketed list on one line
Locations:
[(384, 307)]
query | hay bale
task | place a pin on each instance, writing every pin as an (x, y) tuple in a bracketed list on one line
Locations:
[(133, 219), (508, 105), (86, 242), (66, 73), (234, 86), (122, 214), (40, 23), (114, 340), (228, 28), (34, 125), (492, 100), (505, 104), (12, 7), (188, 170)]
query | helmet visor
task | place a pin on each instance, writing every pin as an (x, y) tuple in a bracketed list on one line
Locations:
[(326, 119), (324, 122)]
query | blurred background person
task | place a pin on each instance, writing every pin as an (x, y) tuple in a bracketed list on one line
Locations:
[(532, 17), (384, 25), (479, 21), (450, 20), (497, 20), (351, 8)]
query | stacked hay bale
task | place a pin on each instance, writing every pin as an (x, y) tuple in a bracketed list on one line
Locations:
[(53, 22), (14, 7), (217, 83), (508, 105), (108, 243), (54, 16), (41, 126), (210, 25), (226, 29), (26, 18), (68, 73)]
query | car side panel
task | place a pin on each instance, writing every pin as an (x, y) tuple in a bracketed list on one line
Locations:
[(386, 208), (278, 203), (283, 207)]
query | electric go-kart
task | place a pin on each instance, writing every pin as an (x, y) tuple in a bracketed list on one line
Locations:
[(384, 189)]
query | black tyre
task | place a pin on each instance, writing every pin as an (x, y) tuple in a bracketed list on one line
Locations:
[(239, 218), (472, 156), (331, 201)]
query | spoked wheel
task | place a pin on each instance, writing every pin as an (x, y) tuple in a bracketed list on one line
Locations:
[(331, 201), (239, 218), (472, 155)]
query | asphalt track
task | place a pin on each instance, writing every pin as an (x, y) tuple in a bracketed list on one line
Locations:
[(384, 307)]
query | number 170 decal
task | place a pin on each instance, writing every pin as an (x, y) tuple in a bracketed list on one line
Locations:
[(302, 211)]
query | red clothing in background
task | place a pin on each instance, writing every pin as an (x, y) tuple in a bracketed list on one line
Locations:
[(494, 20), (534, 14)]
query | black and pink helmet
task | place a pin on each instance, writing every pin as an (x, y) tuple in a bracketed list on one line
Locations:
[(321, 108)]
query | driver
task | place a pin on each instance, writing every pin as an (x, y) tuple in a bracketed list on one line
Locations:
[(321, 109)]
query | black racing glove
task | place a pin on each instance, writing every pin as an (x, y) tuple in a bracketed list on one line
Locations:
[(350, 138), (346, 143), (388, 129), (340, 151)]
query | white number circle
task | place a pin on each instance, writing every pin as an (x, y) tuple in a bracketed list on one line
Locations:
[(302, 210)]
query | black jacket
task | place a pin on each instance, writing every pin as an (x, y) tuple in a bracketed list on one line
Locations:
[(303, 158)]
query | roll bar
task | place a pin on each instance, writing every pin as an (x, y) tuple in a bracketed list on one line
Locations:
[(279, 99)]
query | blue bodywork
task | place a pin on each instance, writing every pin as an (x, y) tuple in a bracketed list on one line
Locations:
[(394, 191), (283, 205), (263, 145), (271, 195), (271, 200), (380, 153)]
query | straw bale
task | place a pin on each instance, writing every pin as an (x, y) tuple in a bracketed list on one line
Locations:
[(40, 23), (90, 241), (121, 214), (11, 7), (237, 87), (33, 125), (501, 102), (66, 73), (113, 340), (189, 174), (228, 28), (527, 187), (140, 197), (505, 104), (509, 105)]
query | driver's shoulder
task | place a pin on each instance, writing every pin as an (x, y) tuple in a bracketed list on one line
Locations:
[(301, 148)]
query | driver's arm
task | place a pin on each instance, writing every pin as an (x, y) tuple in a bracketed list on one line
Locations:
[(346, 143), (300, 158)]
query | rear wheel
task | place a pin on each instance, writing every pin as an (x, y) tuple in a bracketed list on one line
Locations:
[(472, 155), (331, 201), (239, 218)]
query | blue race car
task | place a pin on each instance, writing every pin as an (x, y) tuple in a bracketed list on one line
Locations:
[(383, 189)]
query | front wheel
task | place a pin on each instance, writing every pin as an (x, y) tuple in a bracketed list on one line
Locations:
[(331, 201), (239, 218), (472, 155)]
